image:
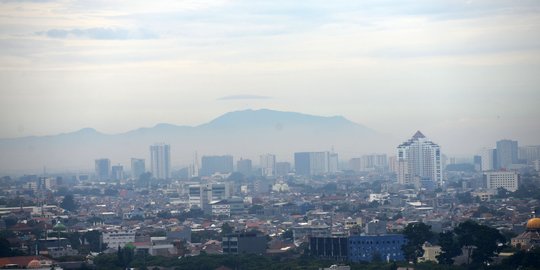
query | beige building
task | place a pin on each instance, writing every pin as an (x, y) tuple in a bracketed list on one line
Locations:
[(430, 253), (508, 180)]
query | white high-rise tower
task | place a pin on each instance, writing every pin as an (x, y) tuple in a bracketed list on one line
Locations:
[(418, 159), (160, 161)]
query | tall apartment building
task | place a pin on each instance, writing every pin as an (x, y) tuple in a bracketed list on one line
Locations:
[(103, 168), (508, 180), (137, 167), (160, 161), (333, 162), (268, 165), (418, 159), (312, 163), (507, 153)]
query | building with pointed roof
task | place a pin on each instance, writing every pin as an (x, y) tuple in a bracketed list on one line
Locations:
[(419, 159)]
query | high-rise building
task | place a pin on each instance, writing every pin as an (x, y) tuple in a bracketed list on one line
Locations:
[(283, 168), (529, 153), (507, 153), (419, 159), (488, 159), (301, 163), (137, 167), (508, 180), (374, 162), (117, 172), (477, 161), (333, 163), (312, 163), (392, 164), (244, 166), (103, 168), (268, 165), (160, 161), (216, 164)]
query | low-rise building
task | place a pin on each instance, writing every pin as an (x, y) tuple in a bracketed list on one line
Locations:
[(240, 243), (367, 248)]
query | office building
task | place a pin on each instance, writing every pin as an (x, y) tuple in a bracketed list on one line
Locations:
[(103, 169), (117, 172), (137, 167), (160, 161), (117, 238), (507, 153), (242, 243), (312, 163), (419, 158), (488, 158), (386, 247), (330, 248), (268, 165), (508, 180), (244, 166), (201, 195), (216, 164)]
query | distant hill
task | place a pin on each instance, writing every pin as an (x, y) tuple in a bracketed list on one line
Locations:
[(247, 134)]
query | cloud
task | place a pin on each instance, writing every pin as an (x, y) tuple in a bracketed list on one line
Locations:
[(241, 97), (100, 33)]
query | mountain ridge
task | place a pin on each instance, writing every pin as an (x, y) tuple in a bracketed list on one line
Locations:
[(244, 133)]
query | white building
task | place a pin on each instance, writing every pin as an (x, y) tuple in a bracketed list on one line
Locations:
[(505, 179), (268, 165), (489, 157), (333, 163), (160, 161), (419, 158), (201, 195), (117, 238)]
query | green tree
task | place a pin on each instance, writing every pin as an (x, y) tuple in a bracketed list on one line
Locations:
[(481, 241), (68, 203), (417, 234), (226, 229), (449, 248)]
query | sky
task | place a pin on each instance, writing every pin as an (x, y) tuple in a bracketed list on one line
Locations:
[(460, 71)]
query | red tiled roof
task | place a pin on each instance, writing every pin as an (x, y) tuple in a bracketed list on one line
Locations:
[(21, 261)]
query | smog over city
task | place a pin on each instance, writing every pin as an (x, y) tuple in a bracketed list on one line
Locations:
[(224, 134)]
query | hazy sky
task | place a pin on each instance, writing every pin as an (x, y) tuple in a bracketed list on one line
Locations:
[(457, 70)]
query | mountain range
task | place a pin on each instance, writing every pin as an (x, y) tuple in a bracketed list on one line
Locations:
[(246, 134)]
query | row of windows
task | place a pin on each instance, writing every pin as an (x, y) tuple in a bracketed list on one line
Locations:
[(377, 242)]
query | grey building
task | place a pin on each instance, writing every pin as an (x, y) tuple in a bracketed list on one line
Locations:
[(137, 167), (244, 166), (240, 243), (103, 168), (507, 153)]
